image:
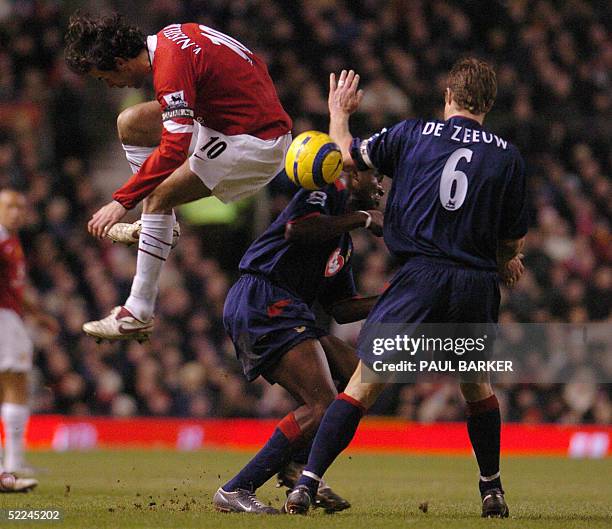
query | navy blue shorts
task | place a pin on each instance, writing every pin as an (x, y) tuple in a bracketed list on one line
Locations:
[(265, 321), (432, 291)]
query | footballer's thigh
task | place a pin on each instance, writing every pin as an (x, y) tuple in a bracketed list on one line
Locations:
[(341, 357), (140, 125), (16, 348), (14, 387), (236, 167), (181, 187), (364, 392), (303, 371)]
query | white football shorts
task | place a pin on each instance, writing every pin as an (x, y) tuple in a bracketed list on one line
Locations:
[(235, 167), (16, 347)]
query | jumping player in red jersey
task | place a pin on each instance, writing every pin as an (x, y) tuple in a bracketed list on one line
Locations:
[(15, 346), (216, 128)]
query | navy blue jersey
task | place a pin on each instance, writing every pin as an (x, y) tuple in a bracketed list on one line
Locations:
[(311, 271), (457, 189)]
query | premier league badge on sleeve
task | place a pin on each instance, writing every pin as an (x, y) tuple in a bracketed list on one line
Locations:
[(176, 100)]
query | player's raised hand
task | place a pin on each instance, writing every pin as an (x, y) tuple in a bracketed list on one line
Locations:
[(344, 93), (103, 219)]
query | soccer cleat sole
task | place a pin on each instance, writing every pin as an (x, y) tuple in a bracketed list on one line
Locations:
[(229, 510), (496, 514), (140, 337)]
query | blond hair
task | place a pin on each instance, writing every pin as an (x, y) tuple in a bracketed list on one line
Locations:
[(473, 85)]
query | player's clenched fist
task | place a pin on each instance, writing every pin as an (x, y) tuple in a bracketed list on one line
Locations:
[(344, 95)]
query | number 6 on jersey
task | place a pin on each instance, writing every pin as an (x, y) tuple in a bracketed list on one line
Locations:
[(453, 183)]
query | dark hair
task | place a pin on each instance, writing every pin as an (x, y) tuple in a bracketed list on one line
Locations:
[(473, 84), (97, 42)]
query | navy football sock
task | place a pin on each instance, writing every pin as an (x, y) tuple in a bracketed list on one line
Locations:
[(300, 455), (484, 427), (335, 432), (270, 459)]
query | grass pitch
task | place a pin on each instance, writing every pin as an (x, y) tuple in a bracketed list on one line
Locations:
[(143, 489)]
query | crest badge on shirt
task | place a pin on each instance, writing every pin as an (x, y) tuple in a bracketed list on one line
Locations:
[(334, 263), (176, 100)]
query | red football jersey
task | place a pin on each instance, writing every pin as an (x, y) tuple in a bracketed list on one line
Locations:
[(12, 272), (200, 73)]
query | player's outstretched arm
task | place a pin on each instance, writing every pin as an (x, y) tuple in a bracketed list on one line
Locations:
[(354, 309), (344, 99), (314, 230)]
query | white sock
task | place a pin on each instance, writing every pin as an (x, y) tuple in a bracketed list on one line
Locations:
[(136, 155), (153, 250), (14, 418)]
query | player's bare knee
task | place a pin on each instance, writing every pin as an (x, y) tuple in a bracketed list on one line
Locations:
[(125, 125), (140, 125)]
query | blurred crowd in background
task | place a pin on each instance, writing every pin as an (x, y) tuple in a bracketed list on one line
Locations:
[(554, 67)]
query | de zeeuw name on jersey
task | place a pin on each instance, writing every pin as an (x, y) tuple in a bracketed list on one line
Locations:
[(463, 134)]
